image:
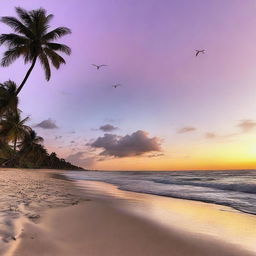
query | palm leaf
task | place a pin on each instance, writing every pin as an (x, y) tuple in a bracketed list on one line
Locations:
[(12, 40), (39, 22), (55, 58), (56, 33), (17, 26), (12, 54), (59, 47), (46, 66), (24, 16)]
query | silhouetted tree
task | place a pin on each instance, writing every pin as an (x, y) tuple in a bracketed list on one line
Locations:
[(33, 41)]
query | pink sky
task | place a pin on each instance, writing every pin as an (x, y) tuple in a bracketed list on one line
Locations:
[(149, 46)]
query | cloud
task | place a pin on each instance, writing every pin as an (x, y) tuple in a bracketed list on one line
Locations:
[(223, 137), (47, 124), (210, 135), (247, 125), (80, 159), (108, 128), (186, 129), (136, 144), (155, 155)]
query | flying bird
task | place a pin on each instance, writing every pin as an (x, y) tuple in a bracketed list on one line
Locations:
[(199, 51), (116, 85), (99, 66)]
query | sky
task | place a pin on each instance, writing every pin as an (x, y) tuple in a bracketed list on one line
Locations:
[(173, 110)]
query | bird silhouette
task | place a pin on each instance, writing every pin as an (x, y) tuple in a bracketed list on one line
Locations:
[(116, 85), (99, 66), (199, 51)]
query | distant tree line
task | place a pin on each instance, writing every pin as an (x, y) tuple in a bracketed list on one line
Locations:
[(20, 146)]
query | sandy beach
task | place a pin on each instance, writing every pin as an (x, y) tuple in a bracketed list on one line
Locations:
[(44, 215)]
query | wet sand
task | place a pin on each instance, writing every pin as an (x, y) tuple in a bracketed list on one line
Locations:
[(96, 229), (54, 217)]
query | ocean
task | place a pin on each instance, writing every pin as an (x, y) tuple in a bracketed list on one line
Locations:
[(236, 189)]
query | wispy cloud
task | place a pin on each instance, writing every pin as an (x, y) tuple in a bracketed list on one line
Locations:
[(213, 135), (247, 125), (210, 135), (186, 129)]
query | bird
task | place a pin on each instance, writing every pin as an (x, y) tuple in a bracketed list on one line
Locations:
[(99, 66), (116, 85), (199, 51)]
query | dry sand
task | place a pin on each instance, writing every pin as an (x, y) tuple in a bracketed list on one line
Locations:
[(27, 194), (78, 226)]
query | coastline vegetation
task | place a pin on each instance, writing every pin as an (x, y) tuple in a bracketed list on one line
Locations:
[(20, 146)]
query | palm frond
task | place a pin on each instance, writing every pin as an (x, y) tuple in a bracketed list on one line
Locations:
[(59, 47), (56, 33), (10, 86), (45, 63), (6, 151), (49, 18), (39, 24), (12, 54), (24, 16), (55, 58), (17, 26), (12, 40), (24, 120)]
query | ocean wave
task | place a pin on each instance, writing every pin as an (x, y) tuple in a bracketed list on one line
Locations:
[(242, 187), (234, 189)]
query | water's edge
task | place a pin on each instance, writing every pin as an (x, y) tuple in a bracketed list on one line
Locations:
[(130, 185)]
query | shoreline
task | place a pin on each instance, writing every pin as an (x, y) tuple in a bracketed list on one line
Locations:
[(244, 207), (173, 197), (193, 200), (226, 224), (92, 222)]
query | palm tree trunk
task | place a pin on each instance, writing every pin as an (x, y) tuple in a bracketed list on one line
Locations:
[(27, 75), (15, 144)]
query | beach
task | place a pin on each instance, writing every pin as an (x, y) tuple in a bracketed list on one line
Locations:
[(42, 213), (127, 128)]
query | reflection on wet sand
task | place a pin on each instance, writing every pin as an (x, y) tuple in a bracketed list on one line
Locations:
[(200, 218)]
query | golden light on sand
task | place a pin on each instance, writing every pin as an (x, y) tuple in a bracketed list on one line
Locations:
[(198, 218)]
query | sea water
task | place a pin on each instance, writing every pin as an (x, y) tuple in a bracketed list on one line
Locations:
[(236, 189)]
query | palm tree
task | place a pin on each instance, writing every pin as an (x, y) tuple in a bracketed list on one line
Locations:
[(6, 152), (30, 141), (32, 40), (8, 98), (31, 148), (13, 128)]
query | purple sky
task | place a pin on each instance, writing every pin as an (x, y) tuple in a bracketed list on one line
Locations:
[(149, 46)]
